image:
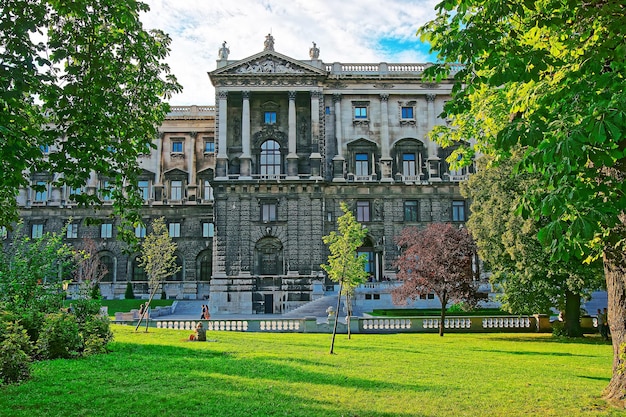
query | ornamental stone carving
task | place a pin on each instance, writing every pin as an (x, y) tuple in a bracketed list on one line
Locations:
[(268, 65)]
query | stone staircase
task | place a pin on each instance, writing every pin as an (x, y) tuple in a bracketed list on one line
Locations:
[(315, 308), (189, 308)]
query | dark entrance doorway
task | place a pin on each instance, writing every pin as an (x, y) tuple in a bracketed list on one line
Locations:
[(269, 303)]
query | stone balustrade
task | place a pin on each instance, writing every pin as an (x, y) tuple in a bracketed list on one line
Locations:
[(477, 324)]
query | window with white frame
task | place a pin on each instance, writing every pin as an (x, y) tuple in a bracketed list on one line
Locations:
[(268, 212), (140, 231), (174, 229), (105, 190), (270, 158), (106, 230), (144, 189), (207, 192), (176, 190), (409, 164), (363, 211), (41, 192), (208, 229), (36, 230), (361, 164), (360, 112), (72, 231)]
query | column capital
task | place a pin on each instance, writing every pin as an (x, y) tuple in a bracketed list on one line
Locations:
[(316, 94), (223, 94), (384, 97), (431, 98), (245, 94), (336, 98), (292, 95)]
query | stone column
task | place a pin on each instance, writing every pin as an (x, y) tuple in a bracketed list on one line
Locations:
[(246, 157), (385, 160), (316, 157), (433, 160), (222, 151), (292, 157), (338, 160)]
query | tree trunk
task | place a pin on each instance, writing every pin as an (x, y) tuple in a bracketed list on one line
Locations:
[(349, 311), (145, 312), (444, 302), (572, 314), (615, 274)]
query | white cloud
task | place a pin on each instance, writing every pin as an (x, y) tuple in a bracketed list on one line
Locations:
[(345, 31)]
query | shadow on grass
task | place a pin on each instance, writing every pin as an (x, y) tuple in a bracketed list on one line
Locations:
[(586, 340), (595, 378)]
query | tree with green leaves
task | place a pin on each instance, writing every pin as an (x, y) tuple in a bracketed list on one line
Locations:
[(32, 272), (531, 281), (549, 77), (82, 85), (158, 259), (344, 266)]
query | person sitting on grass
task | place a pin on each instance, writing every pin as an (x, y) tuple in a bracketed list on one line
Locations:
[(200, 333)]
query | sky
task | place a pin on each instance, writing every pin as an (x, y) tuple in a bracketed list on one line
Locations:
[(347, 31)]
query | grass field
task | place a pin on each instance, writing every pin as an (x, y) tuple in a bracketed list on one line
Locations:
[(259, 374)]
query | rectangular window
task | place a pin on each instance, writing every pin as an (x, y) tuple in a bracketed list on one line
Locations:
[(361, 164), (106, 230), (270, 117), (37, 231), (208, 191), (72, 231), (140, 231), (458, 211), (41, 195), (407, 112), (209, 147), (105, 191), (363, 211), (45, 149), (208, 229), (268, 212), (411, 211), (176, 191), (144, 189), (408, 165), (177, 146), (73, 192), (174, 229), (360, 112)]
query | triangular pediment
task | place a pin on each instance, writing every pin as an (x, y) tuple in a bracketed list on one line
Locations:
[(175, 173), (268, 63)]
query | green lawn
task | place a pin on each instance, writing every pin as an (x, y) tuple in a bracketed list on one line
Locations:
[(260, 374)]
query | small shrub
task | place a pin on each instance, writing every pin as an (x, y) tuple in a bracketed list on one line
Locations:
[(15, 349), (95, 292), (558, 329), (163, 295), (60, 337), (129, 294)]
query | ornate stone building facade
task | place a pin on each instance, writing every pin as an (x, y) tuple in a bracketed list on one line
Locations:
[(248, 187), (295, 138)]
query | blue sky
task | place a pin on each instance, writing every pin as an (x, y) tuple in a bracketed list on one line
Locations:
[(348, 31)]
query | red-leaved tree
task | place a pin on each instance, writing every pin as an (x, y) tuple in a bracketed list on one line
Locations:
[(436, 260)]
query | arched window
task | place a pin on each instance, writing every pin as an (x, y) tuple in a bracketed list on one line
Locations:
[(107, 263), (205, 265), (138, 272), (269, 163), (269, 256)]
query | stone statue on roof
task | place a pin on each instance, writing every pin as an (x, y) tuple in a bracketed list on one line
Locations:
[(269, 42), (223, 52), (314, 52)]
